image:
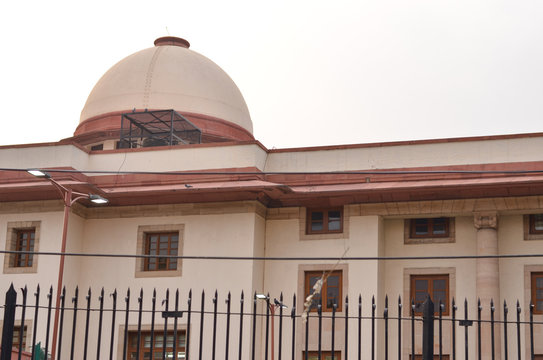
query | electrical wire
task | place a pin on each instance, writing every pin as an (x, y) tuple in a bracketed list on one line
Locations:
[(279, 258), (364, 172)]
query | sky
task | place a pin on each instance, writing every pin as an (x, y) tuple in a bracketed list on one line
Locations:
[(312, 72)]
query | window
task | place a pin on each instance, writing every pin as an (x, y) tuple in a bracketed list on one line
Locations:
[(158, 345), (159, 241), (429, 228), (437, 286), (326, 355), (25, 242), (436, 356), (324, 221), (22, 236), (125, 144), (537, 291), (161, 244), (536, 224), (16, 334), (331, 292), (97, 147)]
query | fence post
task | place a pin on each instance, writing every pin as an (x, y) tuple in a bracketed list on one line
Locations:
[(9, 322), (428, 329)]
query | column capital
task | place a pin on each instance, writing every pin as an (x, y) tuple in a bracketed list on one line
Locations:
[(485, 220)]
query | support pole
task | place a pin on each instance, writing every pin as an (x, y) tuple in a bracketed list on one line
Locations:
[(67, 206)]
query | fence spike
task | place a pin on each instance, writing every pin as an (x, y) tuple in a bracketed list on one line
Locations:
[(293, 317), (61, 321), (9, 321), (202, 306), (518, 330)]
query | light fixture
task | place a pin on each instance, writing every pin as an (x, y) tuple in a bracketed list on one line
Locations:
[(97, 199), (261, 296), (39, 173)]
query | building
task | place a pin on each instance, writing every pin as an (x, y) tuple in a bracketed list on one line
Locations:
[(167, 138)]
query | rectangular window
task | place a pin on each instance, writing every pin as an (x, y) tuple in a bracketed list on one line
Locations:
[(125, 144), (158, 345), (24, 242), (331, 292), (429, 227), (325, 355), (437, 286), (161, 244), (537, 292), (536, 224), (324, 221), (22, 236), (16, 340), (97, 147)]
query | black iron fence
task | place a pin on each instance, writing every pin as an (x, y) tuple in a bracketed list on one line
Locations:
[(109, 326)]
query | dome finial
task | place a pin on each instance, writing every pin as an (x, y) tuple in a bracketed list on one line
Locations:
[(172, 41)]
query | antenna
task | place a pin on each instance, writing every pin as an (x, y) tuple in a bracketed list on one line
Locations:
[(167, 31)]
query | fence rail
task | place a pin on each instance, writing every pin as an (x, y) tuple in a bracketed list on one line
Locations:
[(107, 326)]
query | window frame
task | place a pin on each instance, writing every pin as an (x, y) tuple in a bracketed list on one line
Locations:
[(146, 263), (430, 234), (18, 262), (324, 354), (17, 330), (325, 220), (430, 278), (532, 221), (12, 238), (324, 294), (140, 262), (534, 275), (132, 348)]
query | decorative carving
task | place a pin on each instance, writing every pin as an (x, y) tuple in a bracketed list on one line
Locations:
[(485, 220)]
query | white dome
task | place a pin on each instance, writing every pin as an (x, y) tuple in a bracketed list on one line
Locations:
[(168, 76)]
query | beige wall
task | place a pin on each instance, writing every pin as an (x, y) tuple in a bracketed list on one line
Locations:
[(461, 274), (206, 235), (409, 155), (251, 155), (283, 239), (246, 233), (47, 269)]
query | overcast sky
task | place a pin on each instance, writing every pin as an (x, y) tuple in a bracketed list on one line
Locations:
[(312, 72)]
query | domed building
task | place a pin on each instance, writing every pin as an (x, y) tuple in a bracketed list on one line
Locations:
[(194, 202), (168, 76)]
